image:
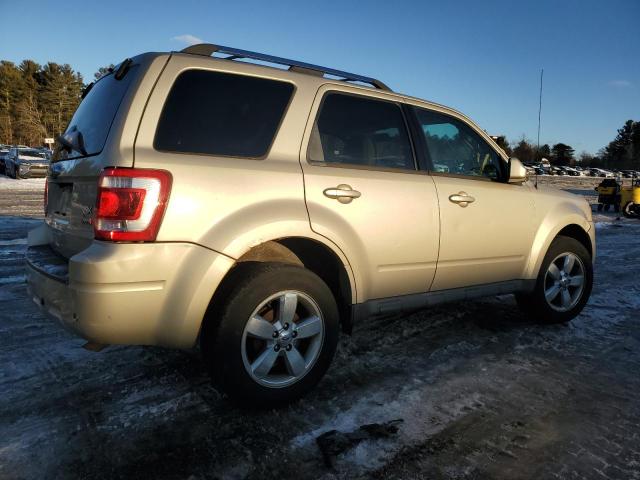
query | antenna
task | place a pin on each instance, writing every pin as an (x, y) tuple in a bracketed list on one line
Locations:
[(539, 115)]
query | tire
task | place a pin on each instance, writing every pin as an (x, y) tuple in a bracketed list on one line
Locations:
[(606, 207), (600, 207), (231, 351), (536, 305)]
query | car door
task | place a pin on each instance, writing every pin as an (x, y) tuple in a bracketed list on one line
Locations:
[(364, 192), (486, 224)]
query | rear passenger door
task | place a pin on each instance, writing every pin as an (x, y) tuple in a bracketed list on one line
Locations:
[(364, 192)]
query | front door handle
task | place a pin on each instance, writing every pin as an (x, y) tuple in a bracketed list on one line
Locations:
[(343, 193), (462, 198)]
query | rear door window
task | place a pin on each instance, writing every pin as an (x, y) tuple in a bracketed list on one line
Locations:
[(222, 114), (359, 131)]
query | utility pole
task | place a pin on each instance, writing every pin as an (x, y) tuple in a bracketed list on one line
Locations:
[(539, 114)]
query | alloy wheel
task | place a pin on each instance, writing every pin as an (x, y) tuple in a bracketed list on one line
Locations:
[(564, 282), (282, 339)]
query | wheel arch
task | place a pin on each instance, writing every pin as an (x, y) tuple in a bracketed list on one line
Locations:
[(309, 253), (574, 225), (577, 233)]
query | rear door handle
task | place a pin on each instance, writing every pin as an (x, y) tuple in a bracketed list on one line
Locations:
[(343, 193), (462, 198)]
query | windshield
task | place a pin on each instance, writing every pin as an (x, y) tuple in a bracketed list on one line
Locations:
[(94, 116), (32, 153)]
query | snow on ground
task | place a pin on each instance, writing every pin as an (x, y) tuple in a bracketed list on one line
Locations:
[(7, 183), (481, 391)]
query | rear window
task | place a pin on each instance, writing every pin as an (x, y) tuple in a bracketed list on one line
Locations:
[(96, 112), (222, 114)]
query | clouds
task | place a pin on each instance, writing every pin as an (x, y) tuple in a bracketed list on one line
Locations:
[(187, 39), (620, 83)]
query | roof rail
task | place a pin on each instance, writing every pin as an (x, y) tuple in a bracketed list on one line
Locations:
[(207, 49)]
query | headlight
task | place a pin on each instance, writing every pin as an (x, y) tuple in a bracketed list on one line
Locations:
[(24, 167)]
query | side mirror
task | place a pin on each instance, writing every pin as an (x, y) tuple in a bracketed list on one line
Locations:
[(517, 172)]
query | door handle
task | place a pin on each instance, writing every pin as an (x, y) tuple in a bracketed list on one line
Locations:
[(462, 198), (343, 193)]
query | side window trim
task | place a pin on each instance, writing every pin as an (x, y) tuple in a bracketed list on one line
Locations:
[(421, 146), (418, 143), (406, 122)]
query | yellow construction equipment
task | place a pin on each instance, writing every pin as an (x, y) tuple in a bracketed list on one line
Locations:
[(630, 199)]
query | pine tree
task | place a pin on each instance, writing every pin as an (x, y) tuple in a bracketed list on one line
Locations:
[(619, 152), (562, 154), (524, 151), (635, 146), (10, 87), (59, 95), (28, 121)]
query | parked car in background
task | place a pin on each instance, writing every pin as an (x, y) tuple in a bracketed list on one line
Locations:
[(599, 172), (572, 171), (4, 152), (27, 162)]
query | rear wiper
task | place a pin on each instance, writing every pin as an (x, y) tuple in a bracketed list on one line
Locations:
[(72, 141), (86, 90), (122, 69)]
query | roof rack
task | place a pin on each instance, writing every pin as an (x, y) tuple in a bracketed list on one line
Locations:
[(207, 49)]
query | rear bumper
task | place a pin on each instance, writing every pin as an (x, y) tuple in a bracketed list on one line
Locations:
[(137, 294)]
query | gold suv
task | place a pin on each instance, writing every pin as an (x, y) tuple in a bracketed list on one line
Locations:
[(201, 197)]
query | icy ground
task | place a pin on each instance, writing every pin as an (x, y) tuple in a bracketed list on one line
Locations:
[(482, 393)]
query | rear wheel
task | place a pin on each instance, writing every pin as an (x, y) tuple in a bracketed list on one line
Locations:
[(274, 335), (563, 285)]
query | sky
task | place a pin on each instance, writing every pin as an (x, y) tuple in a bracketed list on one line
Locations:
[(480, 57)]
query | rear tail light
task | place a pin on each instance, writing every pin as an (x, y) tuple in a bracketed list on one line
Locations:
[(130, 204)]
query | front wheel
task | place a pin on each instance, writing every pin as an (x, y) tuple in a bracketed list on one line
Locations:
[(274, 335), (563, 285)]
